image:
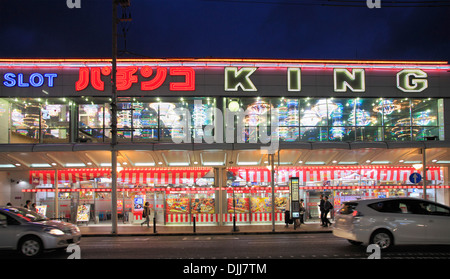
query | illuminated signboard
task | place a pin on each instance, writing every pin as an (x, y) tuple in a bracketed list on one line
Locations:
[(126, 76), (411, 80), (34, 80), (92, 77)]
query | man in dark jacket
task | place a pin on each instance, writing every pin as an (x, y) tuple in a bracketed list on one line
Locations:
[(327, 206), (321, 209)]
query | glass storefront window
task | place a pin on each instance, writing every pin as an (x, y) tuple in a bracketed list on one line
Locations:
[(54, 120), (92, 118)]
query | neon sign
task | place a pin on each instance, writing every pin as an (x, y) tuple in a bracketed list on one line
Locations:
[(34, 80), (127, 76), (412, 80), (409, 80), (355, 80)]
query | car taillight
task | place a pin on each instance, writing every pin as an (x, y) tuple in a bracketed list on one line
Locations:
[(356, 213)]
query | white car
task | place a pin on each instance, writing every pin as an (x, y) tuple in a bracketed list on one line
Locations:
[(392, 221), (30, 233)]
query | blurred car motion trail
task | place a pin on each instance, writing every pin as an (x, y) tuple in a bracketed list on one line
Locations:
[(31, 233)]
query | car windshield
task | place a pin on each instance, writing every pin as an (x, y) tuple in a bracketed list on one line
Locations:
[(28, 215)]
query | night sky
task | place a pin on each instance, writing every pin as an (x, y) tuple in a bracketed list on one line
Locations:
[(300, 29)]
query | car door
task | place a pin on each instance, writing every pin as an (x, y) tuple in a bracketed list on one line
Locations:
[(408, 228), (438, 222), (8, 231)]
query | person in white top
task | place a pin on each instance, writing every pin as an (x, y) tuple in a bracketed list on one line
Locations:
[(287, 212)]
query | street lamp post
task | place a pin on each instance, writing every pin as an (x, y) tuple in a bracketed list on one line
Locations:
[(114, 120)]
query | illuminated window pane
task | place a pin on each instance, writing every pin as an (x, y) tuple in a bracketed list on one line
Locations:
[(424, 112), (313, 133), (396, 112), (340, 133), (340, 112)]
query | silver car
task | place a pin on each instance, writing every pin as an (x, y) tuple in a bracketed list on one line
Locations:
[(31, 233), (390, 221)]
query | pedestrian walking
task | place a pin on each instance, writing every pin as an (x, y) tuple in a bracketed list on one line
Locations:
[(321, 209), (327, 208), (146, 214), (287, 213)]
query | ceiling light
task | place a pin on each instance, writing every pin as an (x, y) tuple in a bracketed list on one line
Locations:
[(178, 164), (248, 163), (144, 164), (72, 165), (213, 163), (40, 165)]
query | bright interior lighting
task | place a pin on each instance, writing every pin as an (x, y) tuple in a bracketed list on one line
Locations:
[(380, 162), (68, 165), (213, 163), (40, 165), (144, 164), (247, 163), (178, 164)]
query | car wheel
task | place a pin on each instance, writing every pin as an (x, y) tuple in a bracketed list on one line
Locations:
[(382, 238), (30, 246)]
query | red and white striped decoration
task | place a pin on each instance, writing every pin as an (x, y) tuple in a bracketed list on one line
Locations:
[(162, 176), (240, 217), (317, 174), (177, 218), (42, 177), (267, 217), (205, 218)]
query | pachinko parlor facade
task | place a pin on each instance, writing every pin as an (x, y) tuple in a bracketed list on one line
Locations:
[(196, 136)]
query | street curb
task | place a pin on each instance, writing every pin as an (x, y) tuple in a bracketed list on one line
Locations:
[(199, 233)]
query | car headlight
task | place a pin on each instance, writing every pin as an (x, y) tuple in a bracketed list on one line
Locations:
[(55, 232)]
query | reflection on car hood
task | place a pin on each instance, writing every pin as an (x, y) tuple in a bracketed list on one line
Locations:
[(65, 227)]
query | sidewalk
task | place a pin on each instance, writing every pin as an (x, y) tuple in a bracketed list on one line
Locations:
[(137, 230)]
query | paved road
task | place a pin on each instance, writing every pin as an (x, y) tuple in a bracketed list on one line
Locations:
[(270, 246)]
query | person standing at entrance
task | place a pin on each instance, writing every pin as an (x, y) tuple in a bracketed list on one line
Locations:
[(146, 214), (287, 212), (28, 204), (321, 209), (302, 211), (327, 206)]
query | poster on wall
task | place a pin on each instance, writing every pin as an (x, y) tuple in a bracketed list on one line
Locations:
[(41, 209), (83, 213), (259, 204), (138, 203), (242, 205), (206, 205), (180, 205)]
